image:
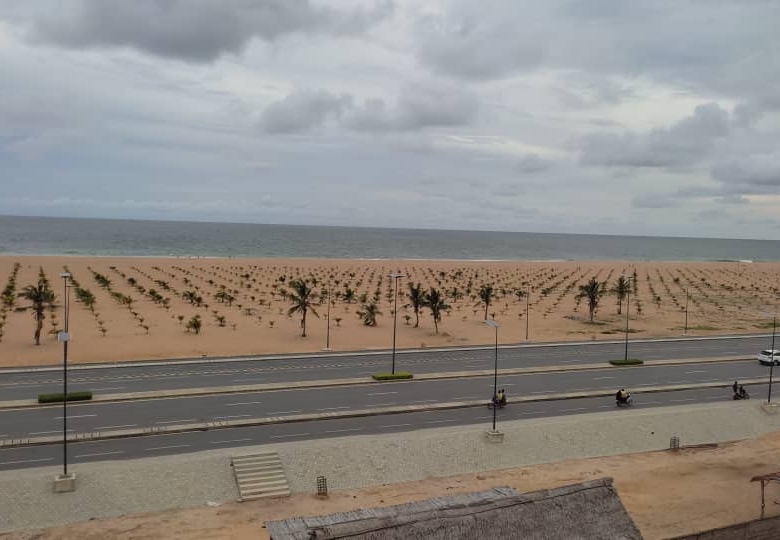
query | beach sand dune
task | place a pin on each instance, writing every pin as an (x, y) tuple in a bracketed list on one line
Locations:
[(142, 305)]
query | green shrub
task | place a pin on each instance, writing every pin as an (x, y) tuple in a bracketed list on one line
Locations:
[(392, 376), (72, 396), (629, 362)]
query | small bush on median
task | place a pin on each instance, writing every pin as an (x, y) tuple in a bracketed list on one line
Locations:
[(72, 396), (629, 362), (392, 376)]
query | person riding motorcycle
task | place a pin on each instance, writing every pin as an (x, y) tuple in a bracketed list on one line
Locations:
[(499, 398), (622, 396)]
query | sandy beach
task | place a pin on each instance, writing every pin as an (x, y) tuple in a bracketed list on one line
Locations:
[(141, 306)]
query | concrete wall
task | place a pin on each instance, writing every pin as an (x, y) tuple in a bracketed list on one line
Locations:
[(759, 529)]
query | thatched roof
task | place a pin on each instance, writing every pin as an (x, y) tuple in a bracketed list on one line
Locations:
[(590, 510)]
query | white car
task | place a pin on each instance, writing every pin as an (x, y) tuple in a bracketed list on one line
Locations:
[(769, 357)]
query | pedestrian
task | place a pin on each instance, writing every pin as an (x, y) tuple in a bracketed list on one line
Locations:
[(735, 386)]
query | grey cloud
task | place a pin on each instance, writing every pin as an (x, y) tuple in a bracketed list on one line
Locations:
[(683, 143), (302, 111), (417, 108), (758, 173), (531, 163), (194, 30), (654, 200), (732, 199)]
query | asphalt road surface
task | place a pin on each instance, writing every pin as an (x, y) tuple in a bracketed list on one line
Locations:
[(92, 417), (336, 366), (157, 445)]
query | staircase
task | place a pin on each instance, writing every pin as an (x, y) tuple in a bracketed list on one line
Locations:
[(260, 476)]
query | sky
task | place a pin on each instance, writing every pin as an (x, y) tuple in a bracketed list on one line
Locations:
[(580, 116)]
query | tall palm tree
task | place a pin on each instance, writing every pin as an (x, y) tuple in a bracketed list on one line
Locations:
[(369, 313), (302, 297), (621, 289), (39, 296), (434, 300), (486, 295), (417, 298), (592, 290)]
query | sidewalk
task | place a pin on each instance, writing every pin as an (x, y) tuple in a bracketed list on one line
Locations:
[(123, 487)]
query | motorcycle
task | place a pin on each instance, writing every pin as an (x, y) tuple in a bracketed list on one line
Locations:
[(741, 395), (628, 402), (497, 403)]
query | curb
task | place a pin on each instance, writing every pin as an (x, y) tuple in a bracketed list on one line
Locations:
[(296, 418), (237, 389)]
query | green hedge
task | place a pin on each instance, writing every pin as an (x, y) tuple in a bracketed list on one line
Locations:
[(629, 362), (72, 396), (392, 376)]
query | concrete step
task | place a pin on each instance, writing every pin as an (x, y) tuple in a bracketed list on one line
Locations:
[(260, 476)]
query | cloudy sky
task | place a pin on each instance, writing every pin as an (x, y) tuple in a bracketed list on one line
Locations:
[(593, 116)]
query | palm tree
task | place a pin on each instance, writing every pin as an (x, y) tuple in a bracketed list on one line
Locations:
[(39, 296), (435, 302), (302, 297), (194, 324), (368, 313), (486, 295), (621, 289), (592, 291), (417, 297)]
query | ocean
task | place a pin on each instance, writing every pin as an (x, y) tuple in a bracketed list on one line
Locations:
[(109, 237)]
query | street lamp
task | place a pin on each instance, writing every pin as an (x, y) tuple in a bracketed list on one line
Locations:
[(527, 305), (685, 331), (327, 317), (772, 349), (494, 324), (64, 338), (628, 306), (396, 277)]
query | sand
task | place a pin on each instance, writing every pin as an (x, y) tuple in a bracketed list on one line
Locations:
[(667, 494), (724, 298)]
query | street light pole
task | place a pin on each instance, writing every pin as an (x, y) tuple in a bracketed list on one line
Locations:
[(527, 303), (628, 306), (685, 332), (772, 364), (495, 325), (327, 317), (396, 277), (65, 337)]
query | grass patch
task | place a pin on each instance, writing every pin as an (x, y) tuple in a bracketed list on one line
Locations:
[(58, 397), (704, 327), (629, 362), (398, 375)]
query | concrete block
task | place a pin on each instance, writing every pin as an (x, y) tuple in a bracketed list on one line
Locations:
[(494, 436), (770, 408), (64, 483)]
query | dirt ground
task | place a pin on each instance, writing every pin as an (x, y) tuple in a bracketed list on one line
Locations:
[(666, 493), (244, 310)]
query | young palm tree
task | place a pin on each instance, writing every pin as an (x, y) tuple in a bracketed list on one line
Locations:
[(302, 297), (417, 298), (592, 291), (435, 302), (621, 289), (39, 296), (368, 313), (486, 295)]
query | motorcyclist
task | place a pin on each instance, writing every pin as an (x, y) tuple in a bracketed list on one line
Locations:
[(501, 397), (742, 392), (622, 396)]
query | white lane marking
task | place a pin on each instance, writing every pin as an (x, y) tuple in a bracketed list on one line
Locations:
[(427, 400), (243, 403), (696, 371), (466, 397), (542, 392), (438, 421), (648, 402), (231, 416), (531, 412), (4, 435), (101, 454), (175, 421), (230, 441), (381, 393), (343, 430), (291, 435), (574, 409), (677, 382), (45, 432), (483, 418), (75, 416), (25, 461), (395, 425), (681, 400), (384, 404), (284, 412), (248, 380), (600, 378), (333, 408), (116, 427), (104, 389), (167, 447), (647, 384)]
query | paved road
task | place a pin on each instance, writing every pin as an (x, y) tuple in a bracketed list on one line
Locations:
[(156, 445), (92, 417), (196, 375)]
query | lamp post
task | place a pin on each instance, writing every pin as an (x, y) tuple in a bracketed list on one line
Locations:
[(395, 277), (327, 318), (527, 305), (685, 331), (66, 481), (628, 306), (494, 324), (772, 364)]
